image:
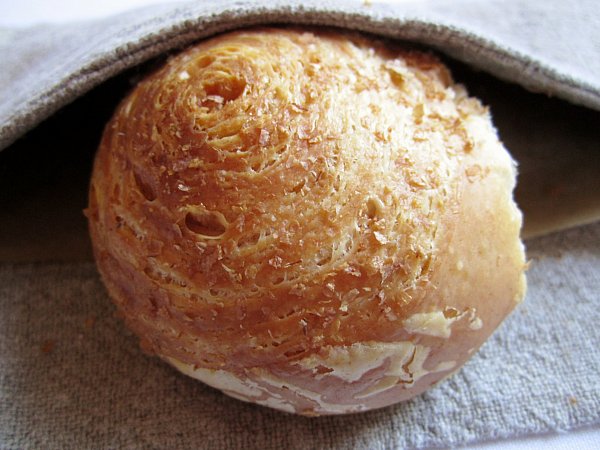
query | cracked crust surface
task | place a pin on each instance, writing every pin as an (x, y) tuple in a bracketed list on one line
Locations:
[(271, 199)]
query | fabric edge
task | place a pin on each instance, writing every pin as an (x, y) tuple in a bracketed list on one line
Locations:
[(187, 26)]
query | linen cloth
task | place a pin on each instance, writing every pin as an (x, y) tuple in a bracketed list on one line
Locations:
[(71, 376), (549, 46)]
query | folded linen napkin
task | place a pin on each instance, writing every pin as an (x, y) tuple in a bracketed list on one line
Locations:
[(72, 377), (549, 46)]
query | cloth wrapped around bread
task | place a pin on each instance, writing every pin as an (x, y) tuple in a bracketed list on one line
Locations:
[(311, 220)]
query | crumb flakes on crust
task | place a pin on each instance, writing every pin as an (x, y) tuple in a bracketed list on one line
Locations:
[(271, 193)]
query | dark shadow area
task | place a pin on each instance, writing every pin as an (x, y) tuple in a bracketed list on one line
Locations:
[(557, 147), (44, 178)]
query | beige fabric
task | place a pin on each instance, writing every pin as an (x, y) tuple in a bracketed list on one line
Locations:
[(72, 377), (549, 46)]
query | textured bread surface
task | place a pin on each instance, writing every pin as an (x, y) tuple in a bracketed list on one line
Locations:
[(310, 220)]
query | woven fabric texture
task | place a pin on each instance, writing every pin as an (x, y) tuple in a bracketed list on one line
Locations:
[(549, 46), (72, 377)]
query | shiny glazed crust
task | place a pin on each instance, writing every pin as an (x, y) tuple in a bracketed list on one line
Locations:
[(310, 220)]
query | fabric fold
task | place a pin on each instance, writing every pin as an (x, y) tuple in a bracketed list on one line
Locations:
[(545, 46)]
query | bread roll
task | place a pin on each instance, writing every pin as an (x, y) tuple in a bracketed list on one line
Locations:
[(314, 221)]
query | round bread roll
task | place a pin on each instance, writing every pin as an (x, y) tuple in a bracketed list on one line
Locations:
[(314, 221)]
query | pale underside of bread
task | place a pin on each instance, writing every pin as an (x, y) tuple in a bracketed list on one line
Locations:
[(315, 221)]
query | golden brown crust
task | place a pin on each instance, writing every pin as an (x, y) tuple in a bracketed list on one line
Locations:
[(270, 196)]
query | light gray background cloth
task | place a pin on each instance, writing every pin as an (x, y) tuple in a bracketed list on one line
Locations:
[(550, 46), (71, 376)]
